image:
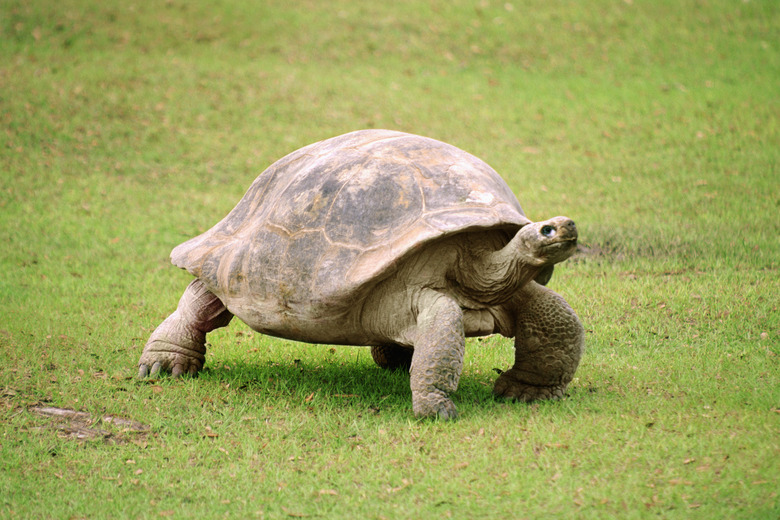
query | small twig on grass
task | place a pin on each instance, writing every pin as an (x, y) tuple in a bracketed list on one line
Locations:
[(80, 425)]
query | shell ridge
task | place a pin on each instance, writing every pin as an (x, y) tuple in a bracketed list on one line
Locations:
[(417, 174), (391, 134)]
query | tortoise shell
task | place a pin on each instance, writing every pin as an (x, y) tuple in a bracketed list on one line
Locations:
[(324, 224)]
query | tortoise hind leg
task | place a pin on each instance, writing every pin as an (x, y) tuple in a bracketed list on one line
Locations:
[(549, 342), (392, 357), (178, 344)]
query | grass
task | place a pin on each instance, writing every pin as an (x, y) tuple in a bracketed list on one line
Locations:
[(128, 128)]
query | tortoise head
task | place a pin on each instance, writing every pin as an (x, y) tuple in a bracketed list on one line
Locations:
[(546, 243)]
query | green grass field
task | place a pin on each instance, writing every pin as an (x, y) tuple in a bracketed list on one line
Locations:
[(128, 128)]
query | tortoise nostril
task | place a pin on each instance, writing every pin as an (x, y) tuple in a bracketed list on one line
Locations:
[(548, 231)]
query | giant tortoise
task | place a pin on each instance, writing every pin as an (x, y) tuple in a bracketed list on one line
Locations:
[(389, 240)]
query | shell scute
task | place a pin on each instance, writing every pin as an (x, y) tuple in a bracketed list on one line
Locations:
[(373, 205)]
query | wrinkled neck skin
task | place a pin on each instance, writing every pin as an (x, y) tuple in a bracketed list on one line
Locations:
[(491, 277)]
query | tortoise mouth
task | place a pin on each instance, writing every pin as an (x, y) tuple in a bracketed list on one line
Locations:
[(560, 244), (560, 249)]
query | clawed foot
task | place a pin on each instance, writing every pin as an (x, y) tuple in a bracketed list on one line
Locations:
[(434, 405), (176, 371), (159, 356), (511, 386)]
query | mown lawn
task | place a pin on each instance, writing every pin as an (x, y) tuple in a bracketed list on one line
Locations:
[(128, 128)]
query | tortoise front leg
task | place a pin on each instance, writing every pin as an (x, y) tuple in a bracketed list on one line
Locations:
[(437, 361), (549, 342), (178, 344)]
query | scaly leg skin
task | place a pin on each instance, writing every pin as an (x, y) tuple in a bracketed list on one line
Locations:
[(438, 355), (549, 342), (392, 357), (178, 344)]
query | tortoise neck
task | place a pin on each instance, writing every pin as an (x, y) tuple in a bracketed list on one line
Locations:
[(493, 277)]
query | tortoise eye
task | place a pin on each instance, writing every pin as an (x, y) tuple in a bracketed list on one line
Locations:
[(548, 231)]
